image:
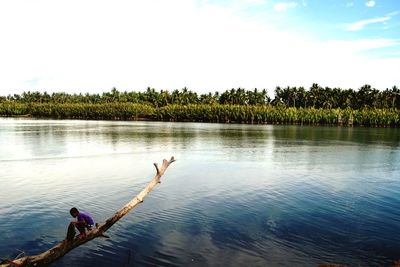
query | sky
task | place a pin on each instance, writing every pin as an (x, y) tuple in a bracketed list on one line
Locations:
[(204, 45)]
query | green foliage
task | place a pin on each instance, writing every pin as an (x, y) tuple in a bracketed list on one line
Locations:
[(327, 98), (316, 97), (107, 111), (13, 109), (260, 114), (150, 96), (291, 105)]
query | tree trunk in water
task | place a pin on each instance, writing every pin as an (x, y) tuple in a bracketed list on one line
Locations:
[(65, 246)]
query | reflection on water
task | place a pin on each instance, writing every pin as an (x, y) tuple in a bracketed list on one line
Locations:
[(250, 195)]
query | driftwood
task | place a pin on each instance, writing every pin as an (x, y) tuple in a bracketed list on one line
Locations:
[(65, 246)]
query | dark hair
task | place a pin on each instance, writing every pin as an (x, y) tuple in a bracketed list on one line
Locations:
[(73, 210)]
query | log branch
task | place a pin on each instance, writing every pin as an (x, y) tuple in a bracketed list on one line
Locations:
[(156, 165), (65, 246)]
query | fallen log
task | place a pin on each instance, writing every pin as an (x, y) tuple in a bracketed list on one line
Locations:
[(65, 246)]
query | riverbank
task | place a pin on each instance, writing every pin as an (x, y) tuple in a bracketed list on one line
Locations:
[(217, 113)]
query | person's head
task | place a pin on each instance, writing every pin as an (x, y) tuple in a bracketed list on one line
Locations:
[(74, 212)]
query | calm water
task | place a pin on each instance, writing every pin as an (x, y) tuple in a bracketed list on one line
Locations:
[(239, 195)]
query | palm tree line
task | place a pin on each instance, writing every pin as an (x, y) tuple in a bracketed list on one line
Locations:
[(297, 97), (291, 105)]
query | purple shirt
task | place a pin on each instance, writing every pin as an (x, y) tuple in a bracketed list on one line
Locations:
[(84, 216)]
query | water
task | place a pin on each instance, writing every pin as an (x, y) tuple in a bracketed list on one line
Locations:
[(239, 195)]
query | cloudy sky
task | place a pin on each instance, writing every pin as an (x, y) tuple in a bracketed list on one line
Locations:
[(205, 45)]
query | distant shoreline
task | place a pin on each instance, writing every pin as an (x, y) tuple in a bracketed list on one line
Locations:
[(215, 113)]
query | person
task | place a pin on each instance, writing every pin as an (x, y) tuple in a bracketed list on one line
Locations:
[(83, 221)]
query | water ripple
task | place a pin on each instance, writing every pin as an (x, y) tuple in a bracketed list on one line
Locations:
[(237, 196)]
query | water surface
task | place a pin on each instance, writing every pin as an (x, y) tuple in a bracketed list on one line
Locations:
[(239, 195)]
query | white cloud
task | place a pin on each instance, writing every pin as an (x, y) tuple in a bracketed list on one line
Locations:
[(394, 13), (359, 25), (92, 46), (370, 3), (255, 2), (355, 46), (282, 6)]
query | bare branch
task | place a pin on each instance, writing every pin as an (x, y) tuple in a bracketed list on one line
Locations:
[(156, 165)]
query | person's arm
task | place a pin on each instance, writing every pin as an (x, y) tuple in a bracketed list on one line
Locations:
[(79, 222)]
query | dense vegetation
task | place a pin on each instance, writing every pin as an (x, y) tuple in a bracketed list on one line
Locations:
[(366, 106)]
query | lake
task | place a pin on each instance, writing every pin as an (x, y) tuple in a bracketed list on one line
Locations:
[(238, 195)]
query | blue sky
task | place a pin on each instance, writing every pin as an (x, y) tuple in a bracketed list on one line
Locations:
[(329, 19), (205, 45)]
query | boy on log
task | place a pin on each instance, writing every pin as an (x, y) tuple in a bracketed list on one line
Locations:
[(83, 221)]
